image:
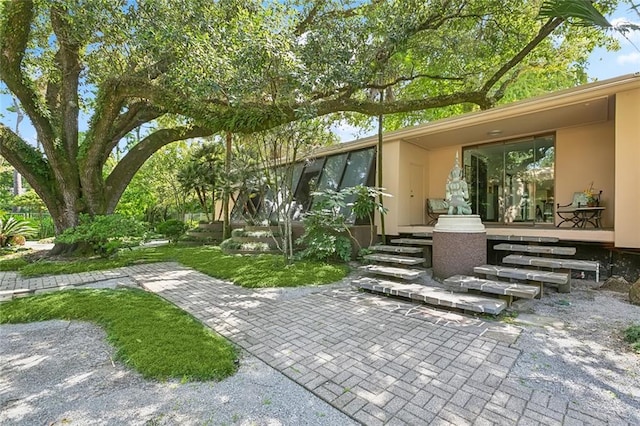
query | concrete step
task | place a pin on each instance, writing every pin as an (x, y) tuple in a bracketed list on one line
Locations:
[(523, 238), (522, 274), (562, 251), (434, 296), (412, 241), (393, 258), (389, 271), (546, 262), (465, 282), (396, 249)]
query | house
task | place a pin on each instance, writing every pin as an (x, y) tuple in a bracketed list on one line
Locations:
[(520, 160)]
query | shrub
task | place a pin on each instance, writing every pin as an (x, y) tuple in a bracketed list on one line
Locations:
[(105, 234), (11, 227), (325, 235), (173, 229)]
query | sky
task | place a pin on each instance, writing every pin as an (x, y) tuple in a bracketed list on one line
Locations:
[(602, 65)]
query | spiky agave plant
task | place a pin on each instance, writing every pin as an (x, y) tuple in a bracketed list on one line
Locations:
[(10, 228)]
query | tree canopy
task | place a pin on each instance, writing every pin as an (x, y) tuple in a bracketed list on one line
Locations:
[(244, 66)]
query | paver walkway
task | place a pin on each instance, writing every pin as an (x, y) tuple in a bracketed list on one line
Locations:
[(374, 364)]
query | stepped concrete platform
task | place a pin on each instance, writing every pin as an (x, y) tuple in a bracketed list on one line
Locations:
[(523, 238), (545, 262), (542, 277), (562, 251), (390, 271), (412, 241), (434, 296), (466, 282), (393, 258), (397, 249)]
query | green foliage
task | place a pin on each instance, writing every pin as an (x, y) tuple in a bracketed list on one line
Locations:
[(29, 201), (201, 175), (327, 225), (105, 234), (45, 227), (150, 335), (632, 335), (173, 229), (11, 228), (325, 230)]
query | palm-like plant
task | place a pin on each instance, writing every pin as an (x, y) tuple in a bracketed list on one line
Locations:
[(11, 228)]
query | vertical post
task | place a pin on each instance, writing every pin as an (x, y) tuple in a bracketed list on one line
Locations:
[(226, 225), (379, 170)]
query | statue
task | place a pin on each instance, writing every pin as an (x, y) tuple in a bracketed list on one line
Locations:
[(457, 192)]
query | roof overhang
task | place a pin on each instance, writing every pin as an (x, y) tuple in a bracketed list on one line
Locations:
[(578, 106)]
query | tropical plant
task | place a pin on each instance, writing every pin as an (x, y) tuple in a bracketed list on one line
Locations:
[(200, 174), (12, 229)]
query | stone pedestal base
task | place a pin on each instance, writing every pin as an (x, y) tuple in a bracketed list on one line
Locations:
[(459, 244)]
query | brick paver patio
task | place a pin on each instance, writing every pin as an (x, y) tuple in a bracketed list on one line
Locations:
[(374, 364)]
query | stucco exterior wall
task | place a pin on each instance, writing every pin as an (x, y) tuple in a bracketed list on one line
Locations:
[(391, 182), (440, 164), (585, 154), (627, 171)]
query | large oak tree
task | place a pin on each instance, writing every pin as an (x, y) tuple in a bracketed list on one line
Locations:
[(243, 66)]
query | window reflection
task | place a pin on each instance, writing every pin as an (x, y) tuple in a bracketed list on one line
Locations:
[(512, 181)]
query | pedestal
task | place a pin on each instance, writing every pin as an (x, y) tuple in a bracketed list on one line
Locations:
[(459, 244)]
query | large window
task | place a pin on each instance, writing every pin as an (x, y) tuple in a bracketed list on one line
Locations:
[(332, 172), (512, 181)]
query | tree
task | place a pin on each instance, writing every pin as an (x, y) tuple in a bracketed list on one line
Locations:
[(241, 67), (201, 174)]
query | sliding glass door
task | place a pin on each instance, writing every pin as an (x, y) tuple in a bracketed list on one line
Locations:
[(512, 181)]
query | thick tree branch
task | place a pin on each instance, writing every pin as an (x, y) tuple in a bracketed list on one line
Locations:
[(122, 174), (545, 30), (15, 29), (69, 63), (31, 164), (136, 115)]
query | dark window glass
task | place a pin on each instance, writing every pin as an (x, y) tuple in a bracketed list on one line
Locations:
[(308, 182)]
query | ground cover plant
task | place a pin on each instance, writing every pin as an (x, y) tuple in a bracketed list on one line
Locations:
[(149, 334), (632, 336), (248, 271)]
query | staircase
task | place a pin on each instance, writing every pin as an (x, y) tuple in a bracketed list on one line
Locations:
[(491, 291), (252, 240), (399, 270)]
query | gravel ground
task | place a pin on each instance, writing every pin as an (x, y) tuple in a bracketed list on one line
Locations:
[(61, 372), (572, 345)]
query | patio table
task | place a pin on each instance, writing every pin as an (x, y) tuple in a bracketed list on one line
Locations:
[(581, 216)]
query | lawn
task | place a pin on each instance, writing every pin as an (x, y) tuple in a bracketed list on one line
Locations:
[(259, 271), (149, 334)]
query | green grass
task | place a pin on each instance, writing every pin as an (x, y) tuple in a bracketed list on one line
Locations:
[(150, 334), (264, 270), (632, 335)]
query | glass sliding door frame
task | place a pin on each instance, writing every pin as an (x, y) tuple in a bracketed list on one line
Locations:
[(512, 181)]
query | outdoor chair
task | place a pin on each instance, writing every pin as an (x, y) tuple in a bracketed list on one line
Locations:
[(436, 207), (581, 211)]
